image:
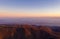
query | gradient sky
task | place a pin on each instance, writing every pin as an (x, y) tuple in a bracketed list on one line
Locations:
[(29, 8)]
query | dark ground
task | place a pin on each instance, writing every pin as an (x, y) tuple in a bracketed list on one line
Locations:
[(29, 32)]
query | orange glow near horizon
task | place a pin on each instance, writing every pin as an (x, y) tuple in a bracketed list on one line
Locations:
[(48, 8), (28, 15)]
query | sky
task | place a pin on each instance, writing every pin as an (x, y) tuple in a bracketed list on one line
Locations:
[(29, 8)]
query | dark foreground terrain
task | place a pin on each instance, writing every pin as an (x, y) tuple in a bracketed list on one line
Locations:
[(29, 32)]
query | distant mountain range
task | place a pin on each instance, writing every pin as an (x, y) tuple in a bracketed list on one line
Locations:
[(38, 21)]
